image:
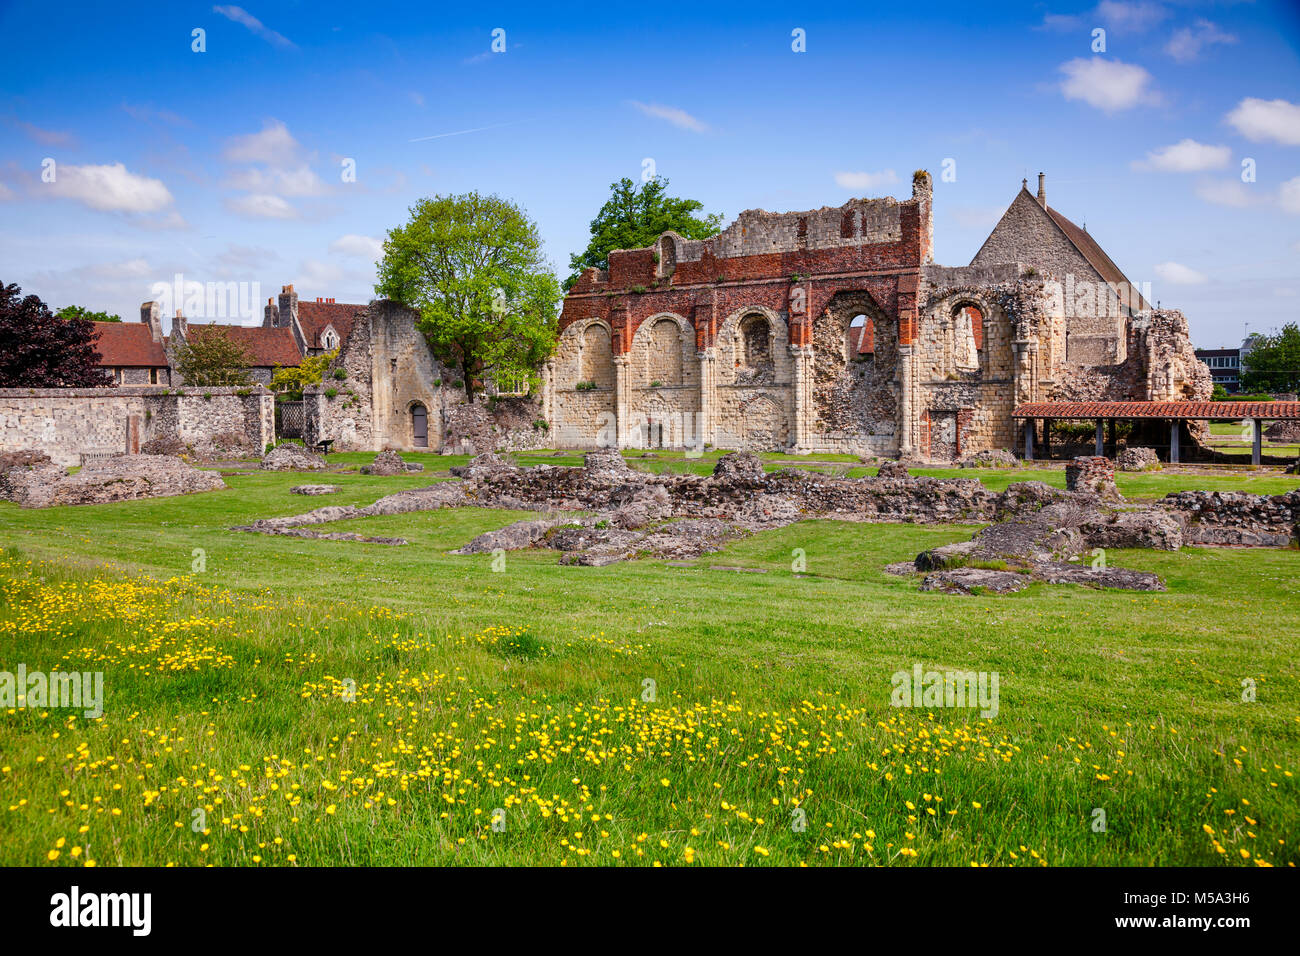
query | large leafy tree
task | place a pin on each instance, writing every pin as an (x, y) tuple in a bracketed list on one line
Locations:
[(473, 266), (210, 357), (40, 350), (77, 312), (1273, 362), (634, 217)]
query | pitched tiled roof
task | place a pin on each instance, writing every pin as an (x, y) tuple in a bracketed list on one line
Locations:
[(1096, 256), (266, 348), (1226, 411), (315, 317), (862, 340), (128, 345)]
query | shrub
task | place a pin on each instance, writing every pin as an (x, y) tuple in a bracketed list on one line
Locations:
[(585, 386), (331, 392), (340, 373)]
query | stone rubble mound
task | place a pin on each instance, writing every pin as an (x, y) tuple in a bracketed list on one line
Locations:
[(1137, 459), (893, 469), (389, 462), (314, 489), (120, 478), (604, 511), (291, 457)]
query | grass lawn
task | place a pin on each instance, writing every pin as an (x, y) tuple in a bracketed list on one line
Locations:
[(279, 701)]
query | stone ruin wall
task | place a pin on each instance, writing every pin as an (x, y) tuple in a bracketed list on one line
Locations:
[(66, 423)]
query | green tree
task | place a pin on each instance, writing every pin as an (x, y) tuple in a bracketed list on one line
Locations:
[(633, 218), (39, 350), (291, 381), (473, 267), (77, 312), (1273, 362), (210, 357)]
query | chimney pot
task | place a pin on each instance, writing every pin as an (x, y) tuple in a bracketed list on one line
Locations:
[(1042, 191)]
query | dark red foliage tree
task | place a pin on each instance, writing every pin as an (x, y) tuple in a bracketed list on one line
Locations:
[(40, 350)]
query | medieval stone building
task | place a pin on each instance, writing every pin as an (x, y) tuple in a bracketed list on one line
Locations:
[(833, 330)]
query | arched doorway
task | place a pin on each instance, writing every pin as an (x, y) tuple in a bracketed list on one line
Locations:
[(419, 426)]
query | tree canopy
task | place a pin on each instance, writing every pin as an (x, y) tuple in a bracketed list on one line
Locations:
[(40, 350), (633, 217), (473, 267), (1273, 362), (210, 357), (291, 381), (77, 312)]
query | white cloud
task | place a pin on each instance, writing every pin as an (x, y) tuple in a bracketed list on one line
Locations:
[(1108, 85), (1130, 17), (679, 118), (1289, 195), (261, 206), (6, 193), (108, 188), (1259, 120), (273, 146), (363, 247), (145, 113), (1231, 192), (1175, 273), (1186, 156), (300, 181), (244, 18), (865, 180), (1186, 44), (976, 217)]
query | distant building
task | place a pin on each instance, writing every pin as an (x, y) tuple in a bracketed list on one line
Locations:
[(133, 353), (1225, 367)]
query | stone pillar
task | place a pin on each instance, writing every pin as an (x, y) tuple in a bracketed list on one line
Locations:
[(1173, 442), (1257, 447), (801, 362), (1101, 438), (704, 417), (622, 415), (1029, 439), (906, 414)]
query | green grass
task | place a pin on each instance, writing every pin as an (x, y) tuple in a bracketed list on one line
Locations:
[(522, 690)]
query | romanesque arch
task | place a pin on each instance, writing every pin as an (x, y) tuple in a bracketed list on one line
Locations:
[(659, 350), (597, 356), (854, 391), (752, 347)]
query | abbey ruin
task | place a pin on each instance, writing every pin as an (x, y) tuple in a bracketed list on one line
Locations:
[(833, 330)]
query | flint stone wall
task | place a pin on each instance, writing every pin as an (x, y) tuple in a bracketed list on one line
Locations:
[(66, 423)]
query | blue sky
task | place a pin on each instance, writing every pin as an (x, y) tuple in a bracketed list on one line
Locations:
[(226, 165)]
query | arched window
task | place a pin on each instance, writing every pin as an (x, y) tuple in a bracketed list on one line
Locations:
[(861, 339), (597, 357), (667, 257), (968, 336), (330, 340), (756, 341), (665, 354)]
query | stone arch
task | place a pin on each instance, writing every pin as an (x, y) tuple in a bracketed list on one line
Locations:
[(660, 345), (855, 394), (753, 337), (596, 355), (666, 251), (973, 323), (417, 414)]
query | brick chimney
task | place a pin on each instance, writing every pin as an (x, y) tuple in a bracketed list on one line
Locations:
[(151, 315), (1042, 191), (270, 315), (288, 316)]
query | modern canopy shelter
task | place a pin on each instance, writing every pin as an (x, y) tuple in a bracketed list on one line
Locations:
[(1171, 412)]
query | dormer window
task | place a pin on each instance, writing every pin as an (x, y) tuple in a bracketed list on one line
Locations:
[(330, 339)]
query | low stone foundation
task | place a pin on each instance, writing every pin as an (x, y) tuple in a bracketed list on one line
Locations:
[(1092, 474)]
